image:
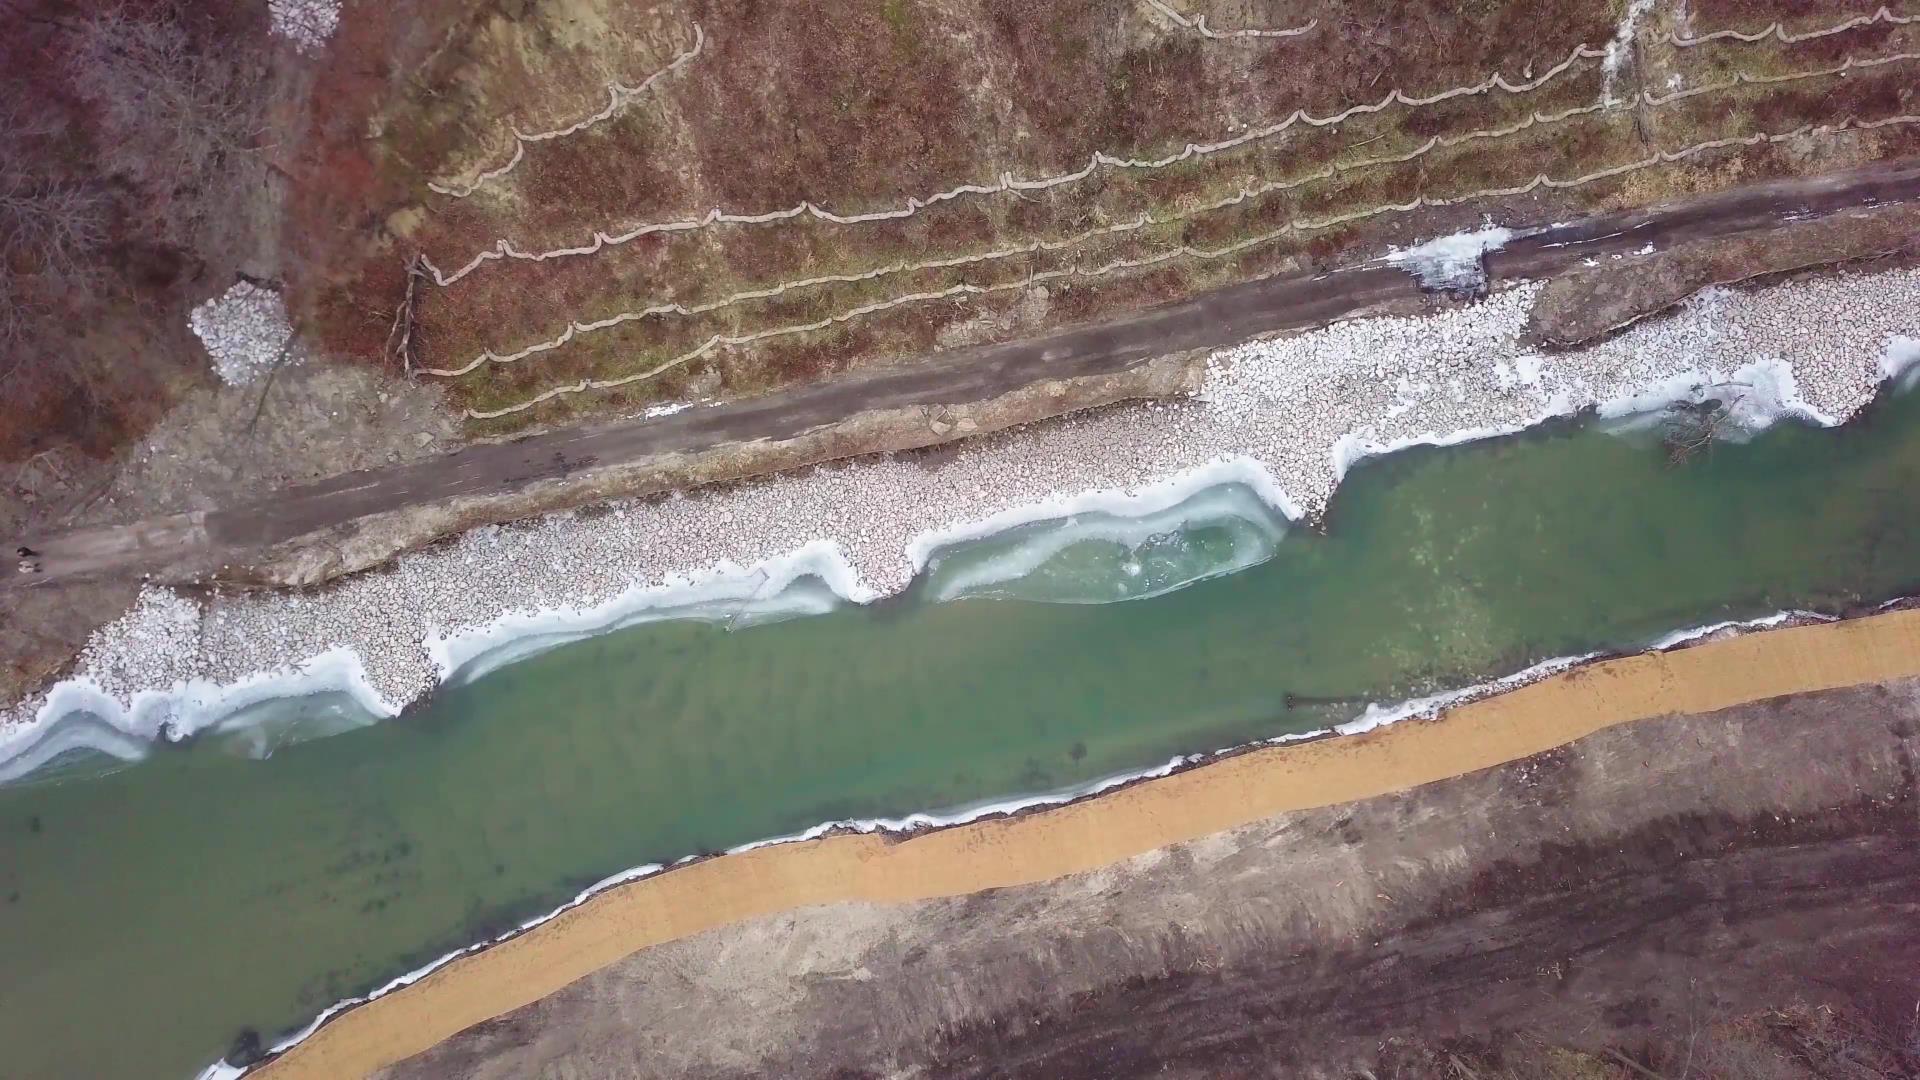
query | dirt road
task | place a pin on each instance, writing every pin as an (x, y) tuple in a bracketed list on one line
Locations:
[(230, 535)]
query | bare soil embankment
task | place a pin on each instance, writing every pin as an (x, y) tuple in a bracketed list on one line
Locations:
[(1286, 909)]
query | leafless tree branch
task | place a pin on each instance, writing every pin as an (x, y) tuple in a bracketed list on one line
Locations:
[(51, 230), (183, 120), (1689, 429), (400, 336)]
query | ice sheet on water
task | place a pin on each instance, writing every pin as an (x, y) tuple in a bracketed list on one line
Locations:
[(1108, 555)]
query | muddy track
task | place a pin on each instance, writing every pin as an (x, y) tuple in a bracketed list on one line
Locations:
[(204, 541)]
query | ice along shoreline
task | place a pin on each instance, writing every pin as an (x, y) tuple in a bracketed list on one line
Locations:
[(1285, 417)]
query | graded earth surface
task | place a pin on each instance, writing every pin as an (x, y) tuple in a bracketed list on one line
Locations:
[(1629, 890)]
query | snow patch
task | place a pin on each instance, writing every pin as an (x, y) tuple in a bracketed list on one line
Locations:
[(1756, 395), (1455, 263), (1357, 446), (1160, 553), (1692, 634), (1285, 416), (220, 1070), (1616, 55), (1431, 706)]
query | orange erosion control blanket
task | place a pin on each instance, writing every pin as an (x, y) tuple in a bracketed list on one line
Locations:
[(1085, 835)]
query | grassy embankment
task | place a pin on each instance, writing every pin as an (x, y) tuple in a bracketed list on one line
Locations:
[(858, 106)]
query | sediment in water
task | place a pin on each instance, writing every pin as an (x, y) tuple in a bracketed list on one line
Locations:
[(1083, 835), (1373, 717)]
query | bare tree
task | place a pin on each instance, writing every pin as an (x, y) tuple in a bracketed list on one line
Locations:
[(130, 155), (58, 225), (181, 118), (175, 124), (21, 311), (52, 228)]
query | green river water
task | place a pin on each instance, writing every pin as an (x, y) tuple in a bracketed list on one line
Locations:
[(149, 914)]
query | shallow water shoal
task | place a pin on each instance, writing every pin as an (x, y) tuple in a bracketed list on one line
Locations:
[(149, 914)]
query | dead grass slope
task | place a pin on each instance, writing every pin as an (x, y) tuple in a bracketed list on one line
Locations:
[(856, 105)]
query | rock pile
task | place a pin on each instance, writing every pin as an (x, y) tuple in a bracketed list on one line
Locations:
[(245, 330)]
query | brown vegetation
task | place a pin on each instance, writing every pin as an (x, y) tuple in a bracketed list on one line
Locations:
[(855, 106), (131, 156)]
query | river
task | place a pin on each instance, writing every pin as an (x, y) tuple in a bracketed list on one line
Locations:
[(151, 912)]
